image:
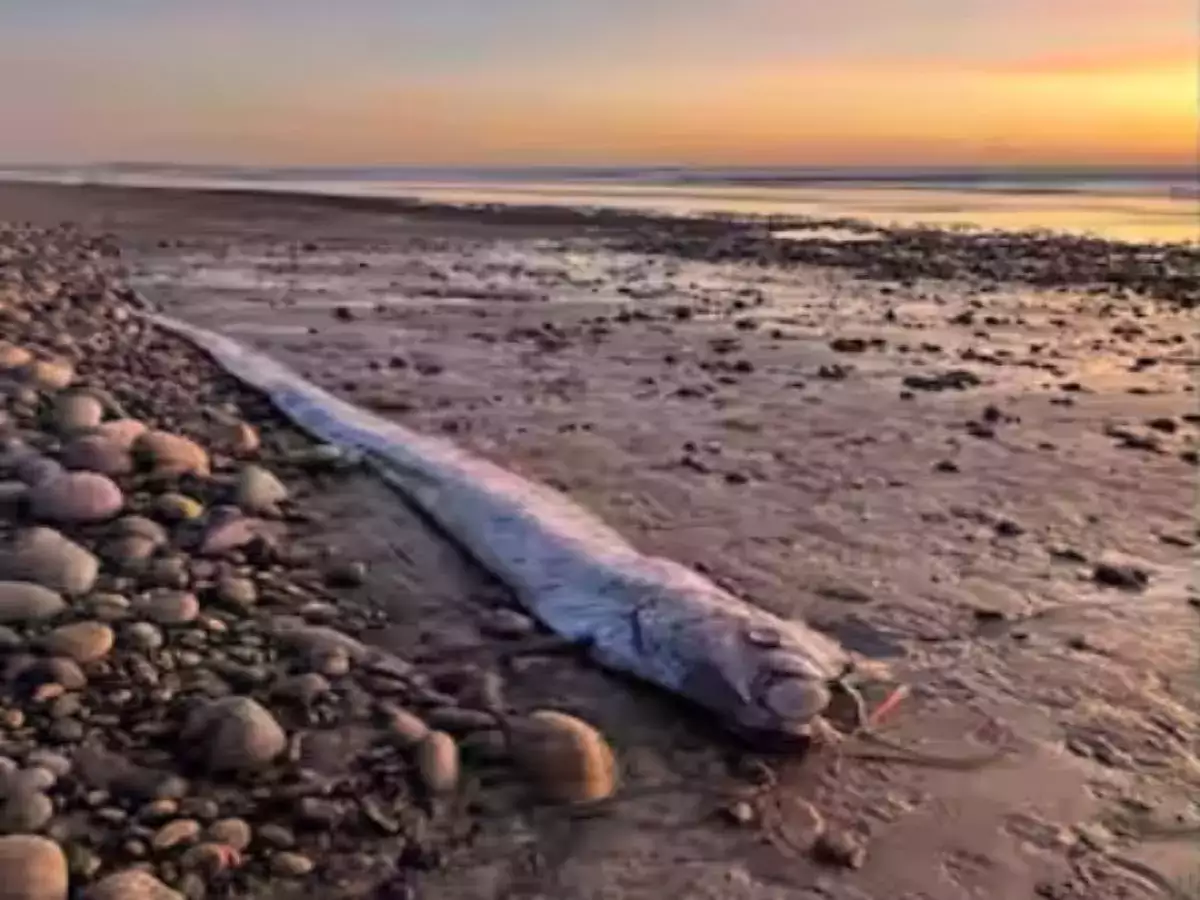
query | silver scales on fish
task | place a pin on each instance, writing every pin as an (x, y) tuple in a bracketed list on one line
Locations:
[(768, 680)]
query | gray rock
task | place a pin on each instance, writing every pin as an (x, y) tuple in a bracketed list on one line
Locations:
[(46, 557), (140, 526), (234, 734), (259, 492), (76, 497), (235, 592), (32, 868), (144, 636), (34, 470), (23, 602), (25, 811)]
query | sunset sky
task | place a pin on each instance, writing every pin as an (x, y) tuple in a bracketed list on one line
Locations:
[(498, 82)]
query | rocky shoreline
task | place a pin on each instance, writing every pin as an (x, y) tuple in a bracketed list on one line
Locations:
[(179, 655)]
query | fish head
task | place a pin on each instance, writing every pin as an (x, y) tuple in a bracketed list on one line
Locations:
[(790, 678)]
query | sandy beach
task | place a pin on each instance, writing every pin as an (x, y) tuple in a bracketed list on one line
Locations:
[(973, 457)]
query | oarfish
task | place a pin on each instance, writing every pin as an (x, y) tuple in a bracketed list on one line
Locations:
[(764, 677)]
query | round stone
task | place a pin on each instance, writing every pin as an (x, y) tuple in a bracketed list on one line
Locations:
[(35, 469), (144, 636), (95, 453), (176, 833), (23, 602), (46, 557), (569, 759), (121, 432), (291, 865), (49, 374), (140, 526), (259, 492), (13, 357), (168, 607), (77, 411), (235, 734), (32, 868), (25, 811), (239, 593), (172, 454), (241, 439), (76, 497), (172, 507), (235, 833), (84, 642)]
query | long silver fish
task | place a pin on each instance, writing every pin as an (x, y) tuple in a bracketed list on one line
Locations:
[(764, 677)]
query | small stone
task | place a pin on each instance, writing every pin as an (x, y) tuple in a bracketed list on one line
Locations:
[(277, 836), (144, 636), (122, 433), (25, 811), (508, 623), (460, 721), (172, 454), (46, 557), (1127, 576), (210, 859), (174, 507), (235, 833), (234, 734), (291, 865), (168, 607), (437, 763), (841, 848), (82, 862), (241, 439), (77, 411), (93, 453), (61, 671), (406, 729), (350, 573), (568, 758), (84, 642), (48, 374), (23, 602), (303, 689), (173, 834), (259, 492), (334, 664), (76, 497), (35, 470), (53, 762), (235, 592), (32, 868), (227, 535), (13, 357), (132, 884)]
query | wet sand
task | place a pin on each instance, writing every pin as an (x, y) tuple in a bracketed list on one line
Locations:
[(948, 473)]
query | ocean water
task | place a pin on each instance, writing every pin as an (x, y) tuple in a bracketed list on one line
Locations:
[(1155, 205)]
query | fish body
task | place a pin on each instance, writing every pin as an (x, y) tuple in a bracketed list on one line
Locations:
[(762, 676)]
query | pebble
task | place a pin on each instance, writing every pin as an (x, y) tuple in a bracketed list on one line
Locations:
[(172, 454), (132, 884), (841, 848), (173, 834), (84, 642), (259, 492), (140, 527), (437, 763), (234, 734), (49, 374), (350, 573), (235, 592), (76, 497), (77, 411), (241, 439), (508, 623), (46, 557), (165, 606), (405, 728), (25, 811), (35, 470), (32, 868), (235, 833), (122, 433), (568, 759), (291, 865), (23, 602), (13, 357), (95, 453), (173, 507), (278, 836), (1126, 576)]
